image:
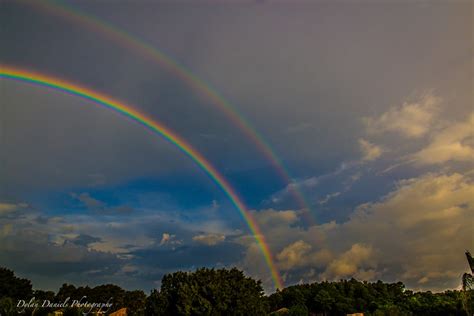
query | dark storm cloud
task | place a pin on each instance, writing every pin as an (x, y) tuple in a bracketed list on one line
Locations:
[(328, 71), (130, 251), (28, 256), (84, 240), (28, 250), (29, 245), (123, 75), (80, 142)]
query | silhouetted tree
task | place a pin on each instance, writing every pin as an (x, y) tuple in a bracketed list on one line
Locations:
[(156, 304), (106, 292), (208, 292), (323, 301), (13, 287), (298, 310), (65, 291), (135, 301)]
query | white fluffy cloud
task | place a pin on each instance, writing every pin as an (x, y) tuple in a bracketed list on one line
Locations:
[(209, 239), (293, 255), (168, 239), (421, 229), (411, 119), (421, 201), (300, 254), (270, 217), (369, 151), (416, 234), (453, 143), (357, 262)]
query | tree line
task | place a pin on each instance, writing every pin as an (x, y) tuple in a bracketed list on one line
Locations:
[(230, 292)]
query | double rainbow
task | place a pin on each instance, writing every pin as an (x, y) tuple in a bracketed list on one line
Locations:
[(160, 129), (124, 39)]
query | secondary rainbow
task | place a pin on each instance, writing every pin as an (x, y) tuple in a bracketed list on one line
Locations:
[(158, 128), (201, 87)]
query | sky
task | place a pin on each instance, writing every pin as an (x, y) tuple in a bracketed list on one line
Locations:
[(368, 106)]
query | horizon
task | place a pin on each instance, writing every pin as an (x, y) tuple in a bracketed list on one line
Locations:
[(266, 294)]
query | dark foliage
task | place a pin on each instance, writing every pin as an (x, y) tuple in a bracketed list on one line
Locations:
[(13, 287), (230, 292), (351, 296), (207, 292)]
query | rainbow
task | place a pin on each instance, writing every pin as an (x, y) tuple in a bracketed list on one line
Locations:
[(158, 128), (202, 88)]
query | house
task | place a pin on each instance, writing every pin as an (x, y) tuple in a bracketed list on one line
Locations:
[(120, 312)]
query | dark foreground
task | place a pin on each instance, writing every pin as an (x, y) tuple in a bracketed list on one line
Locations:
[(229, 292)]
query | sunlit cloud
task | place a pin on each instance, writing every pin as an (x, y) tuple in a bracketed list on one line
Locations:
[(411, 119), (369, 151), (209, 239), (453, 143)]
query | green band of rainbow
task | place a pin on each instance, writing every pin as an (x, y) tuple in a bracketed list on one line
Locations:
[(160, 129), (124, 39)]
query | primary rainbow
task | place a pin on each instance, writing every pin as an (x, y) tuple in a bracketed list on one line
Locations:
[(158, 128), (201, 87)]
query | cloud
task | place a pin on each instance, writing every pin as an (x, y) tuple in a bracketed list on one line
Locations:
[(292, 255), (88, 146), (75, 126), (329, 197), (453, 143), (88, 200), (96, 205), (300, 254), (356, 262), (209, 239), (417, 233), (314, 186), (168, 239), (84, 240), (411, 119), (30, 248), (6, 208), (85, 248), (6, 230), (422, 200), (420, 229), (287, 241), (271, 217), (369, 151)]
